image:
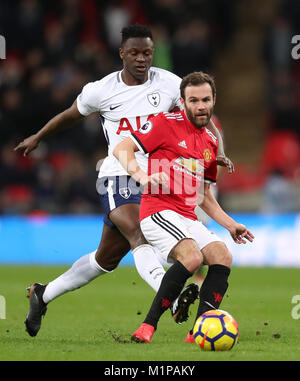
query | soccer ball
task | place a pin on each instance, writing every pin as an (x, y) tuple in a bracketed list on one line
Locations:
[(216, 330)]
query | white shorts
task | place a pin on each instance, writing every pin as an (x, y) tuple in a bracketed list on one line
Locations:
[(166, 228)]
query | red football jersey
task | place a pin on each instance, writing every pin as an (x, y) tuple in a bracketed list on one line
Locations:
[(185, 153)]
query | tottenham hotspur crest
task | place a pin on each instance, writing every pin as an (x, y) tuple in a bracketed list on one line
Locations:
[(125, 192), (154, 99)]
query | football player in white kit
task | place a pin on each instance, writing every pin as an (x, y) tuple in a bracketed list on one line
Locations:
[(125, 100)]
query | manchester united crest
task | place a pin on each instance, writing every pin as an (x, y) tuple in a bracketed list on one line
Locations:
[(207, 155)]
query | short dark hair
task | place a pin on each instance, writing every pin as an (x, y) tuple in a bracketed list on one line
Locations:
[(195, 79), (136, 30)]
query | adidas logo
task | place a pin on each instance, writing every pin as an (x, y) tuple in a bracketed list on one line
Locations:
[(182, 144)]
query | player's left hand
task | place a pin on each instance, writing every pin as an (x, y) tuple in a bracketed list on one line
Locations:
[(224, 161), (240, 233)]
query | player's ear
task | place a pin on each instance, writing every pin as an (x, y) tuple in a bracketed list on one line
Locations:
[(215, 98), (121, 53), (182, 101)]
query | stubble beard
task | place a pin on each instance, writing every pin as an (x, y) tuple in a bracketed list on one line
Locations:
[(195, 121)]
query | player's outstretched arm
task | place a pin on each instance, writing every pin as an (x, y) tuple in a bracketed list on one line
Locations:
[(222, 159), (212, 208), (60, 122)]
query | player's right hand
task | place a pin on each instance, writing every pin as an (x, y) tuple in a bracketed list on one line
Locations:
[(155, 179), (27, 145)]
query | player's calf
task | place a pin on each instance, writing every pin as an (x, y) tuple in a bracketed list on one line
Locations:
[(213, 288), (170, 288)]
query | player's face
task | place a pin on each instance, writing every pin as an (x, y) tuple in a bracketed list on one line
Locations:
[(198, 104), (137, 54)]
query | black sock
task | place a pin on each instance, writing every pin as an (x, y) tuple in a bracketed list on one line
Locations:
[(170, 288), (213, 288)]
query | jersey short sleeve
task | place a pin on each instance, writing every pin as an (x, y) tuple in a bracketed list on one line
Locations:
[(88, 99), (170, 83), (174, 85), (151, 135)]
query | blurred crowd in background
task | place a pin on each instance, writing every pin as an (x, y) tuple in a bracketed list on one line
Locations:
[(55, 48), (283, 112)]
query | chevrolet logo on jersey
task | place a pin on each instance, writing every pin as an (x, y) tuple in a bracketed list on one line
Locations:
[(191, 166)]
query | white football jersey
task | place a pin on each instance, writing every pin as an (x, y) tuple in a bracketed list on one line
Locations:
[(124, 109)]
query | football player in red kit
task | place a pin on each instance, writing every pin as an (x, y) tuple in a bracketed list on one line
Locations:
[(182, 165)]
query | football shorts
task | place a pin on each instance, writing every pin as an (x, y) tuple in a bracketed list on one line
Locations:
[(115, 191), (166, 228)]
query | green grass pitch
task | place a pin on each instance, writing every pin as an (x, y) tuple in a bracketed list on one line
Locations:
[(95, 322)]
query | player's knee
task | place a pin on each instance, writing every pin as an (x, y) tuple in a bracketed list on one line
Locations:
[(228, 259), (194, 261), (131, 230), (224, 256), (188, 253), (217, 253), (136, 238)]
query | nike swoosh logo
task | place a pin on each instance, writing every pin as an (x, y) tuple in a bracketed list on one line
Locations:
[(150, 272), (113, 107), (203, 340)]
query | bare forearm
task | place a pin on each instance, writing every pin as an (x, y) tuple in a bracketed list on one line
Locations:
[(222, 159), (124, 152), (212, 127), (213, 209), (60, 122), (210, 205)]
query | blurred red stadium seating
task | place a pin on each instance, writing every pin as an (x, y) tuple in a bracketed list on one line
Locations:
[(17, 193), (243, 179), (58, 160), (281, 152)]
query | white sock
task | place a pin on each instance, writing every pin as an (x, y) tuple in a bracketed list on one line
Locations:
[(82, 272), (148, 265), (161, 260)]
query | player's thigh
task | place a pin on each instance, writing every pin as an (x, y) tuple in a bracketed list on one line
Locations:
[(212, 247), (126, 219), (164, 230), (120, 197), (203, 236), (112, 248)]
